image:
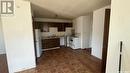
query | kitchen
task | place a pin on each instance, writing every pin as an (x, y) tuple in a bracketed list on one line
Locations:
[(52, 34)]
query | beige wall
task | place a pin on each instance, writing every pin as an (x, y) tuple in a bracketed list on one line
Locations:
[(119, 31), (18, 38), (97, 31)]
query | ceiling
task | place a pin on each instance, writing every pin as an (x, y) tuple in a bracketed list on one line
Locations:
[(66, 9)]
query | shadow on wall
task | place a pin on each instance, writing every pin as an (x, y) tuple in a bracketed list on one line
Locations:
[(41, 12), (2, 46)]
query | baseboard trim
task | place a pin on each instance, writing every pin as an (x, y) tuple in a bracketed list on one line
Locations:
[(96, 58), (28, 68)]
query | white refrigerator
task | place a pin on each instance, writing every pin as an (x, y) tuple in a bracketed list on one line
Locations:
[(38, 43)]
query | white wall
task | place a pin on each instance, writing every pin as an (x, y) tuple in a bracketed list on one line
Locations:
[(83, 29), (97, 31), (18, 38), (119, 31), (2, 45)]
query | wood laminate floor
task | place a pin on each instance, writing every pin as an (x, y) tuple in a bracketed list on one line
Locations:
[(3, 64), (66, 60)]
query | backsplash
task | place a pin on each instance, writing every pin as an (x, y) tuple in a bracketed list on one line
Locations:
[(53, 31)]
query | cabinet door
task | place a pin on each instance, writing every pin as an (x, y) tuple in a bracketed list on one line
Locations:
[(51, 43), (61, 27), (68, 25)]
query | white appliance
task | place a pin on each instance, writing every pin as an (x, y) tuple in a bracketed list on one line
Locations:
[(75, 43), (38, 42)]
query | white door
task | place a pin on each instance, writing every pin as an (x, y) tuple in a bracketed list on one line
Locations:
[(119, 31)]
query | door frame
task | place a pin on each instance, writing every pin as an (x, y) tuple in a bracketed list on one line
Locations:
[(105, 39)]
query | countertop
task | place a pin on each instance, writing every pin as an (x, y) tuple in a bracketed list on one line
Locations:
[(52, 37)]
